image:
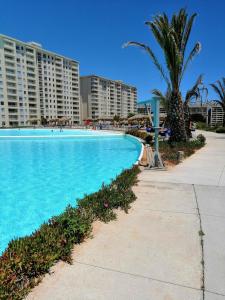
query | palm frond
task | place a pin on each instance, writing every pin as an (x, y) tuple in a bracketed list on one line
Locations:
[(217, 90), (221, 88), (221, 103), (193, 53), (153, 57), (223, 81), (196, 91), (187, 32)]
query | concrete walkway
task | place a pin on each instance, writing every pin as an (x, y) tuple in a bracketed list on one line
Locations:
[(154, 252)]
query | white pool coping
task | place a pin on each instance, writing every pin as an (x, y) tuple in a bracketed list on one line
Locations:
[(97, 133), (142, 148), (58, 136)]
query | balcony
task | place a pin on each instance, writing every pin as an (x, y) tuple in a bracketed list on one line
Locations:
[(10, 64), (32, 100), (32, 75), (29, 50), (31, 93), (31, 82), (29, 69), (10, 71), (12, 104), (34, 116), (8, 50), (12, 98), (11, 84), (11, 91), (9, 57), (13, 113), (7, 43), (32, 105), (33, 111), (30, 57), (13, 117)]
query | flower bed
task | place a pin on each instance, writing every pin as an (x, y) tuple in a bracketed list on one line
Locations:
[(169, 151), (27, 259)]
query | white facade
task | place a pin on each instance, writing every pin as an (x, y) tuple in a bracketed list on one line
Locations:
[(36, 83), (211, 111), (103, 97), (142, 110)]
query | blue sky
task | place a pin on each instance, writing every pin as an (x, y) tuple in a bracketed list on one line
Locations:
[(93, 31)]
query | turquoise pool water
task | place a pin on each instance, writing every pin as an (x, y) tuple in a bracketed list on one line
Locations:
[(40, 176), (6, 133)]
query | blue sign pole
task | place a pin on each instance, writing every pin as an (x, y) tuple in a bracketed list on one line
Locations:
[(156, 162)]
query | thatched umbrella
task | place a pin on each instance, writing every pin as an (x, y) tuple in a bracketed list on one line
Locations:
[(33, 121), (50, 121), (138, 117), (63, 120), (105, 118)]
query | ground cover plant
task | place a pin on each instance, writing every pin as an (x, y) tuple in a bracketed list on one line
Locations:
[(169, 150), (217, 128), (26, 259)]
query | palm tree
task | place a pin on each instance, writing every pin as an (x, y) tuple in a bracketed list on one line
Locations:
[(116, 118), (172, 37), (193, 93), (219, 88)]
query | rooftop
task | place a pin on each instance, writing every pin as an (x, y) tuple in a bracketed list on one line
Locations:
[(36, 46), (112, 80)]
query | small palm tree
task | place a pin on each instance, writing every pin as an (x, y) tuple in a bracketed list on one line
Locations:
[(219, 88), (116, 118), (172, 37), (194, 93)]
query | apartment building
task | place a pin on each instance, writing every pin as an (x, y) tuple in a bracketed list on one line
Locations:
[(211, 111), (102, 98), (142, 109), (36, 83)]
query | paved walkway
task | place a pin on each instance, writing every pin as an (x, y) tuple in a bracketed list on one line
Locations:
[(154, 252)]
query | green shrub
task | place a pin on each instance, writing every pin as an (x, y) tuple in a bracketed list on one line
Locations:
[(27, 259), (201, 125), (169, 150), (220, 130), (198, 118), (201, 138), (140, 134), (204, 126)]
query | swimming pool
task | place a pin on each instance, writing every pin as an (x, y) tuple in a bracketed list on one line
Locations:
[(55, 133), (41, 175)]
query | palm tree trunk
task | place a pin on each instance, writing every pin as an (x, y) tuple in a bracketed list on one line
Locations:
[(176, 118), (224, 119), (187, 120)]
